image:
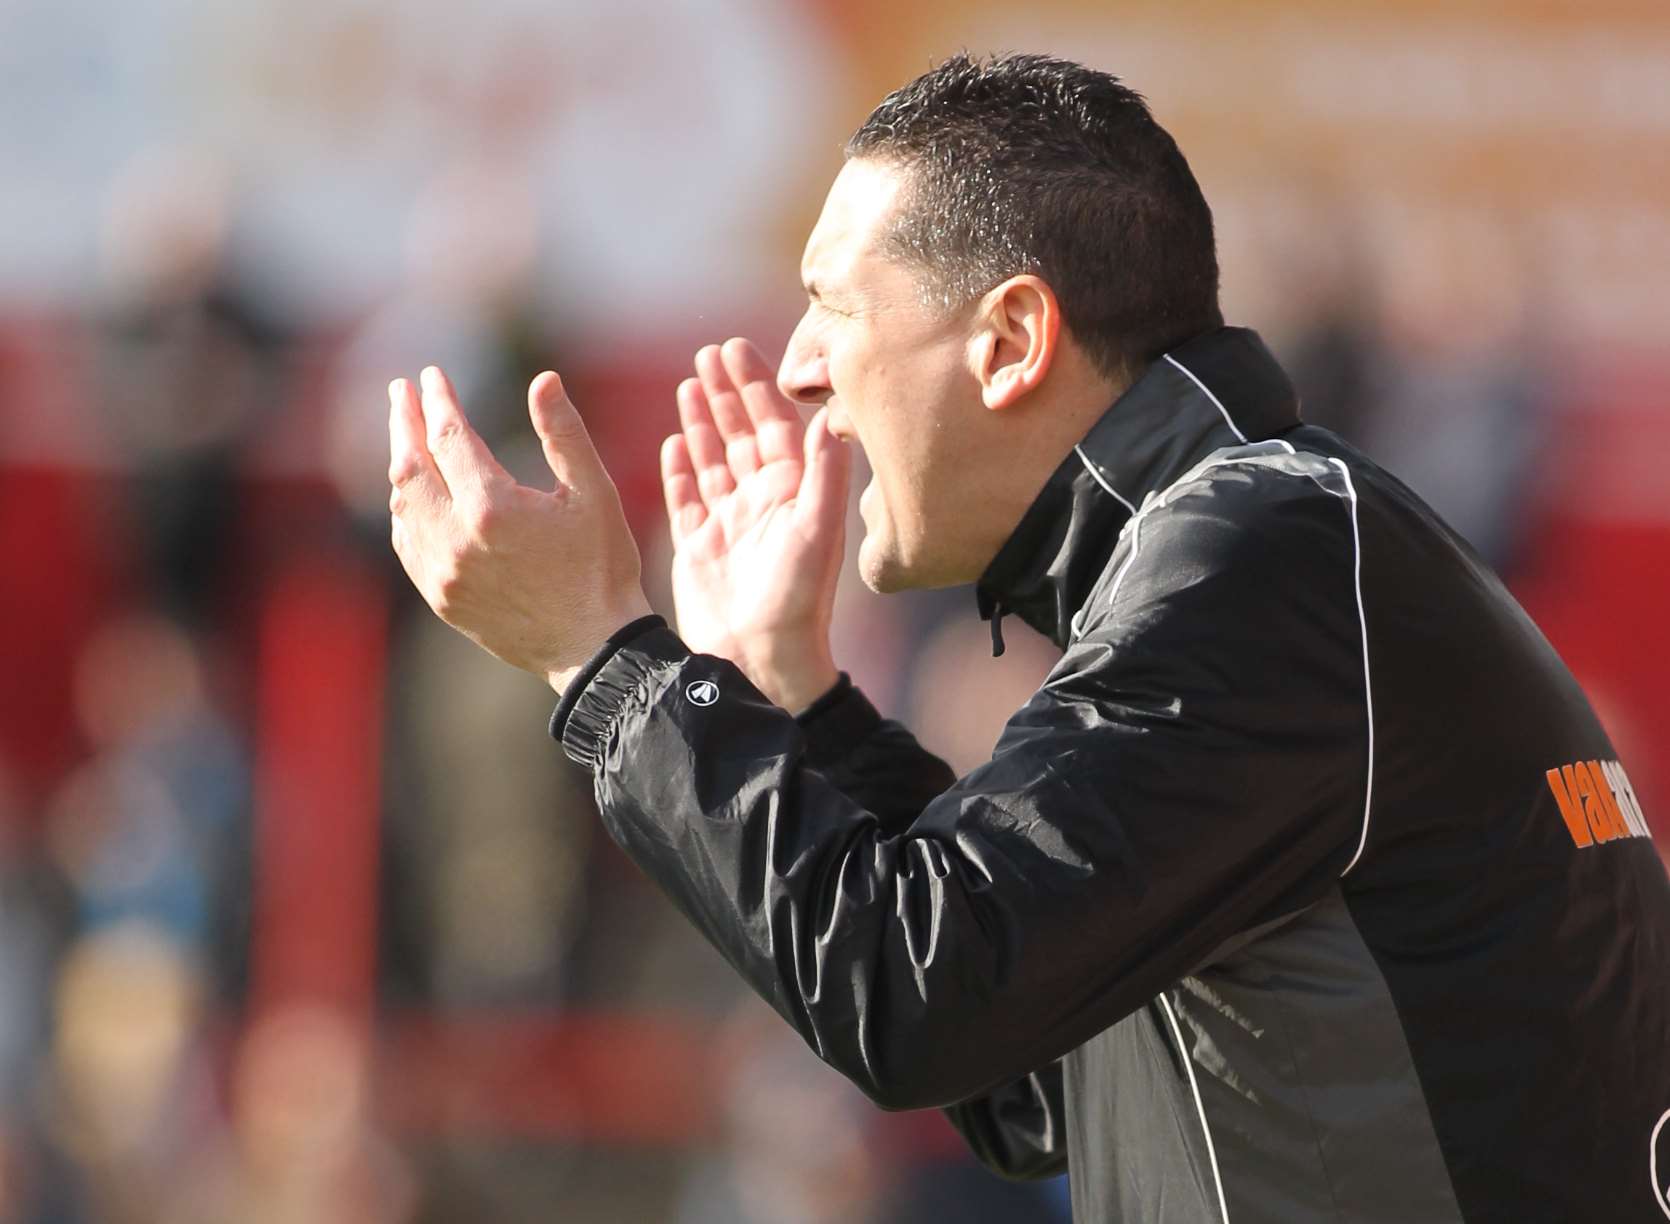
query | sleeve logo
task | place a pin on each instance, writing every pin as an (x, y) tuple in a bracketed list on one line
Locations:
[(1597, 802), (702, 692)]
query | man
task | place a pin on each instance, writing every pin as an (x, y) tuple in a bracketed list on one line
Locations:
[(1307, 887)]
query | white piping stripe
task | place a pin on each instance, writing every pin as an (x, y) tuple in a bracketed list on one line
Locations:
[(1136, 551), (1660, 1195), (1194, 1086), (1097, 477), (1368, 690), (1357, 584), (1200, 469), (1113, 591), (1234, 428), (1159, 499)]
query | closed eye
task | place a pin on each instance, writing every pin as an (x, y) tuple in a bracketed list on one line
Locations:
[(814, 294)]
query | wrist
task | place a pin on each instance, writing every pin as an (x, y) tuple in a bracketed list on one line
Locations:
[(794, 675), (608, 627), (560, 678)]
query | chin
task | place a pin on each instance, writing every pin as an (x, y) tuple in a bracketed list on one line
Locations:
[(884, 571), (881, 573)]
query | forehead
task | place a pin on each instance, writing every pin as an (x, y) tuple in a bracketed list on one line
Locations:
[(855, 218)]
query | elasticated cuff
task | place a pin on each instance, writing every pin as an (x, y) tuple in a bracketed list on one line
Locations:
[(598, 703), (605, 652), (835, 722)]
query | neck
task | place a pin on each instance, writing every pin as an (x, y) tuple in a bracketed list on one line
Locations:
[(1219, 390), (1032, 438)]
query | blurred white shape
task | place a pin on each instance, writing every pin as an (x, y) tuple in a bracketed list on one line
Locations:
[(661, 139), (164, 227)]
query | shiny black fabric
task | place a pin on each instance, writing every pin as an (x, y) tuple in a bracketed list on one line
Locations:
[(1265, 907), (1016, 1130)]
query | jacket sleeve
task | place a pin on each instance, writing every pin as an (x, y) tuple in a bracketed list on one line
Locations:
[(876, 762), (1019, 1129), (1194, 767)]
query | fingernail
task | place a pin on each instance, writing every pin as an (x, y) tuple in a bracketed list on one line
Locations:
[(431, 378), (394, 390)]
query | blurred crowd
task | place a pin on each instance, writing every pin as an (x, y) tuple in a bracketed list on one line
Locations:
[(303, 918), (168, 1052)]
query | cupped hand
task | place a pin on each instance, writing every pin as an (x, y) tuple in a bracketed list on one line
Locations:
[(538, 578), (757, 505)]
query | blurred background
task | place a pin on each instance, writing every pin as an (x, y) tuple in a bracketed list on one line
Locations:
[(303, 919)]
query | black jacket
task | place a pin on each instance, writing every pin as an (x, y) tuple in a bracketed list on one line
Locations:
[(1306, 888)]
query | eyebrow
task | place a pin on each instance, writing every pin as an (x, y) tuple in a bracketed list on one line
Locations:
[(817, 292)]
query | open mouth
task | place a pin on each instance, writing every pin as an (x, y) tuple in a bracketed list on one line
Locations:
[(871, 492)]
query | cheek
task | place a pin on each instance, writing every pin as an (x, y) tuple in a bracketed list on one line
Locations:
[(902, 404), (901, 499)]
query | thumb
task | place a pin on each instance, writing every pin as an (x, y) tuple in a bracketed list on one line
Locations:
[(821, 504), (562, 434)]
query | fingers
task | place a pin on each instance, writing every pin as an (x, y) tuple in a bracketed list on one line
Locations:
[(725, 402), (776, 424), (411, 467), (418, 496), (463, 459), (822, 503), (685, 509), (562, 434), (701, 437)]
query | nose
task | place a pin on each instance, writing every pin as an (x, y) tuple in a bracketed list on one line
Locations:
[(804, 374)]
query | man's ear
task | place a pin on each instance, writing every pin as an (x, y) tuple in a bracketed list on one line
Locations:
[(1017, 332)]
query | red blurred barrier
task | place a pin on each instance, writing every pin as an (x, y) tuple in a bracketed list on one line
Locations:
[(317, 788), (620, 1077)]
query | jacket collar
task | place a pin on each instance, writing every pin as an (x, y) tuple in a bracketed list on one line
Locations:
[(1222, 388)]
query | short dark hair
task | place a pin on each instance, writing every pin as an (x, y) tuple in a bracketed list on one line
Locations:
[(1031, 164)]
